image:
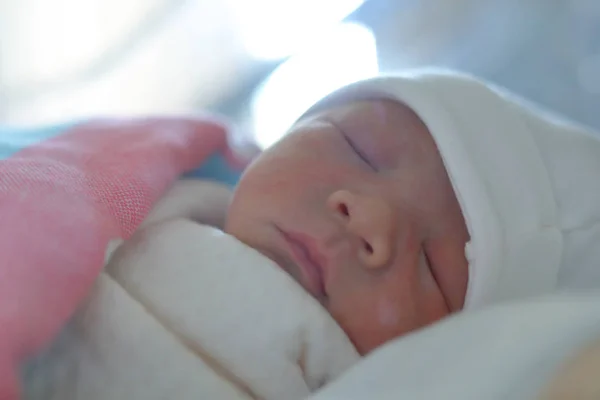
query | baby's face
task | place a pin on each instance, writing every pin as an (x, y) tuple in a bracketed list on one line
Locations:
[(355, 204)]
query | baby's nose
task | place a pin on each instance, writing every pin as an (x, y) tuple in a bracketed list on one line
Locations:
[(369, 218)]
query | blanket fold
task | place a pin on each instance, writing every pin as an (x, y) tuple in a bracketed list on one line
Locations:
[(185, 311)]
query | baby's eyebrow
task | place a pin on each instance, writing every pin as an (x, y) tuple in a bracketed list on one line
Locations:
[(323, 111), (331, 122), (304, 120)]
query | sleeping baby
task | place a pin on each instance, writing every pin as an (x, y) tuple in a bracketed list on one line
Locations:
[(400, 200)]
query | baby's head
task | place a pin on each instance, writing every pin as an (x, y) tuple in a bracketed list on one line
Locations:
[(356, 205)]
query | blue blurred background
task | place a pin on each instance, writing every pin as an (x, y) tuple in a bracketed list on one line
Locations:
[(262, 62)]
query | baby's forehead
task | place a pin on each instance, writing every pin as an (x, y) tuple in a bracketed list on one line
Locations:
[(377, 113)]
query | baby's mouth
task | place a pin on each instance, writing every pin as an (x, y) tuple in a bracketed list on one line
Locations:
[(310, 269)]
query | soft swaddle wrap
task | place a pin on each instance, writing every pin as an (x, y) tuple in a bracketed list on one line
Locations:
[(184, 311), (528, 183)]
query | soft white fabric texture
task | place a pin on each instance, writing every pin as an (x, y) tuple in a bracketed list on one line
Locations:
[(504, 352), (185, 311), (528, 183)]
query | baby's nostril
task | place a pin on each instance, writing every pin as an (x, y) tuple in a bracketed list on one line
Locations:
[(368, 247), (343, 209)]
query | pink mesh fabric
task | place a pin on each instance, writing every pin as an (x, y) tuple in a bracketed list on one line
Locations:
[(61, 201)]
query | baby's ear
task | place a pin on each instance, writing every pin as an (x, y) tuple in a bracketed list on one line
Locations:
[(110, 249)]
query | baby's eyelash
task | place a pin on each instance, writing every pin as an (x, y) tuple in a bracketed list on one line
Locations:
[(357, 151), (353, 146)]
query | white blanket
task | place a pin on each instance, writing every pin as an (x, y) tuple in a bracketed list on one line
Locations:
[(504, 352), (184, 311)]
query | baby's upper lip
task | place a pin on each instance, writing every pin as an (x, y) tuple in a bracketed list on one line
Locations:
[(305, 252)]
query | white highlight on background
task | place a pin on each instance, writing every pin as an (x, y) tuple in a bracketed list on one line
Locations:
[(346, 54), (274, 29)]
